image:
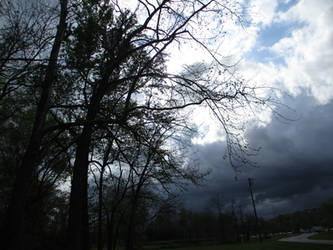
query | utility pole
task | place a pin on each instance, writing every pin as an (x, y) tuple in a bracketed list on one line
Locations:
[(254, 208)]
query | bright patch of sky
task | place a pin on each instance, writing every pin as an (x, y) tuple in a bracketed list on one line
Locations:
[(289, 45), (286, 44), (297, 46), (308, 51), (269, 35), (285, 5), (270, 31)]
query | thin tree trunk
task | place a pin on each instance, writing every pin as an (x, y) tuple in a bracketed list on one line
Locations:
[(110, 233), (137, 191), (117, 231), (16, 211), (100, 244), (130, 230)]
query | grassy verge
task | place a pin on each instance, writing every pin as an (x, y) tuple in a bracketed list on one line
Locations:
[(266, 245), (322, 236)]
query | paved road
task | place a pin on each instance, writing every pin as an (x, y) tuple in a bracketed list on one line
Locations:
[(303, 238)]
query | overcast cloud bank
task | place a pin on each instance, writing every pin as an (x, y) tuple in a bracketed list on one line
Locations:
[(295, 164)]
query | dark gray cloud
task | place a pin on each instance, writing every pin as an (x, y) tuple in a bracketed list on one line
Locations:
[(295, 164)]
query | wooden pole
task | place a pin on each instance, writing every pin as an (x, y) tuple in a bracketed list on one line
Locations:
[(254, 208)]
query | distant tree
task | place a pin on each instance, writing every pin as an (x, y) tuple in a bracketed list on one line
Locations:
[(144, 162), (243, 226), (327, 210), (165, 222), (115, 204), (217, 203)]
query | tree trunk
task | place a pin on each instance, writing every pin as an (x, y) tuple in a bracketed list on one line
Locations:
[(131, 224), (136, 193), (100, 241), (78, 229), (130, 231), (14, 229), (78, 223)]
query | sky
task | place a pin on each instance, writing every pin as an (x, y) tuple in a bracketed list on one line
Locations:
[(288, 45)]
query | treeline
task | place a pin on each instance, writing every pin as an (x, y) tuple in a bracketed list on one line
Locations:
[(205, 226), (182, 225), (166, 221), (95, 128), (304, 220)]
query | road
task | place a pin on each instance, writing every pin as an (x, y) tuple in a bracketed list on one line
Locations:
[(303, 238)]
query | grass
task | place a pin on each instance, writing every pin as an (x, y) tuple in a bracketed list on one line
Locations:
[(322, 236), (266, 245)]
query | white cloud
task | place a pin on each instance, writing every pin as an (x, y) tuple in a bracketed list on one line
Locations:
[(263, 11), (308, 52), (208, 132), (239, 40), (228, 48)]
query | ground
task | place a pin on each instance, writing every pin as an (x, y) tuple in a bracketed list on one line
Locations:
[(266, 245), (322, 236)]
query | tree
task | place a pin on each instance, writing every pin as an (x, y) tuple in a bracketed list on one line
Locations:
[(165, 224), (153, 163), (43, 195), (144, 160), (15, 224), (327, 210), (113, 56)]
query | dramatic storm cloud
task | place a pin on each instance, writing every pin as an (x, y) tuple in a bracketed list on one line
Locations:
[(295, 164), (289, 45)]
